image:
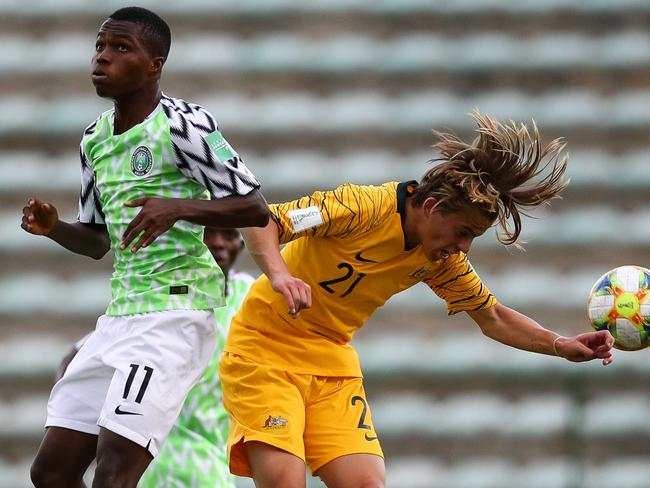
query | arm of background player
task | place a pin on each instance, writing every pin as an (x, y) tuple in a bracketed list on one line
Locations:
[(67, 359), (514, 329), (264, 246), (72, 352), (159, 214), (42, 218)]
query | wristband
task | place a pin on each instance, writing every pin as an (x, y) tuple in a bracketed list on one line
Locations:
[(555, 343)]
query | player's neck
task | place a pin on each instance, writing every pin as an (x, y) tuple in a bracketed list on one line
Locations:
[(132, 110), (408, 225)]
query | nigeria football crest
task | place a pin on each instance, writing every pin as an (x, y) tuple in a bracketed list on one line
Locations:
[(141, 161)]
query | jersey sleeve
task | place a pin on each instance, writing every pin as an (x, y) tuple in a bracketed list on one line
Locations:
[(458, 284), (203, 154), (90, 209), (347, 210)]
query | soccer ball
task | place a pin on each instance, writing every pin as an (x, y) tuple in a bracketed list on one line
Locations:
[(619, 302)]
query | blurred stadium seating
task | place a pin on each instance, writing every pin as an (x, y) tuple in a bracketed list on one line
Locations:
[(319, 92)]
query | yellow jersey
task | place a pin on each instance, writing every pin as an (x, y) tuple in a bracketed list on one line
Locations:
[(349, 246)]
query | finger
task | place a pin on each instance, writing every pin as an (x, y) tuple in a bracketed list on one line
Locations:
[(605, 337), (308, 292), (132, 230), (295, 293), (306, 295), (140, 240), (146, 239), (35, 204), (289, 299), (302, 291), (139, 202), (26, 210)]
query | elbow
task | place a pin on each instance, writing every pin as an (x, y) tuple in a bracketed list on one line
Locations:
[(98, 255), (258, 211), (262, 216), (100, 251)]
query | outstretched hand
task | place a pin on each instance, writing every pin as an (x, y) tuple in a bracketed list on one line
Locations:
[(39, 217), (587, 346), (296, 292), (157, 216)]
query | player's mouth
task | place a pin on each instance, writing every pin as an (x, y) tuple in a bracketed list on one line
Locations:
[(99, 75)]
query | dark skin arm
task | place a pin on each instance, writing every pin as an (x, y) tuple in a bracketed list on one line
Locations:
[(42, 218), (63, 366), (158, 215)]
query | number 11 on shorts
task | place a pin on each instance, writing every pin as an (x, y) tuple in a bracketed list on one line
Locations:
[(143, 387)]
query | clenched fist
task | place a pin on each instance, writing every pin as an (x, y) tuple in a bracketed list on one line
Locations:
[(39, 217)]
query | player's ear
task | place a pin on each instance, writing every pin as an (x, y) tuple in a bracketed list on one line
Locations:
[(430, 205), (156, 64)]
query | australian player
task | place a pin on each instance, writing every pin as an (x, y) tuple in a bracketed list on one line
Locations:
[(154, 170), (292, 383)]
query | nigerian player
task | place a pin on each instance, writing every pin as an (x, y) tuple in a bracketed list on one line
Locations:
[(154, 171), (194, 454), (293, 387)]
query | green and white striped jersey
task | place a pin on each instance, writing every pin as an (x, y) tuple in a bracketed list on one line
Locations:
[(194, 454), (176, 152)]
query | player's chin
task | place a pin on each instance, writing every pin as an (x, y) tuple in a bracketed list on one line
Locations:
[(103, 89)]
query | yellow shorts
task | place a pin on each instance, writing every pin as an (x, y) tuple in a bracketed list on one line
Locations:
[(316, 418)]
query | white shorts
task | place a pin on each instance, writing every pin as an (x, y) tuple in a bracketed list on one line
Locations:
[(133, 373)]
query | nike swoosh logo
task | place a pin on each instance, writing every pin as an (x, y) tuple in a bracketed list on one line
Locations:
[(359, 257), (370, 438), (119, 411)]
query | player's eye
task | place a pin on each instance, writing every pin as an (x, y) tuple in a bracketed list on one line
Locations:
[(99, 46), (122, 48)]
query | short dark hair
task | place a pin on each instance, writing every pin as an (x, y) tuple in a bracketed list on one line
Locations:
[(159, 36)]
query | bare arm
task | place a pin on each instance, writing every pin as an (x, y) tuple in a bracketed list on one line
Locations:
[(42, 218), (264, 246), (63, 365), (158, 215), (514, 329), (67, 359)]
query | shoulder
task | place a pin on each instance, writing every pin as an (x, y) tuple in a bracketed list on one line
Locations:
[(93, 127), (185, 115), (383, 190), (380, 191), (92, 133), (373, 198)]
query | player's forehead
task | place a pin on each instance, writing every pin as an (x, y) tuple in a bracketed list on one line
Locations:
[(474, 218), (225, 233), (120, 28)]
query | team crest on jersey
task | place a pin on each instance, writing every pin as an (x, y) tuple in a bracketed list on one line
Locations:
[(275, 423), (141, 161)]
